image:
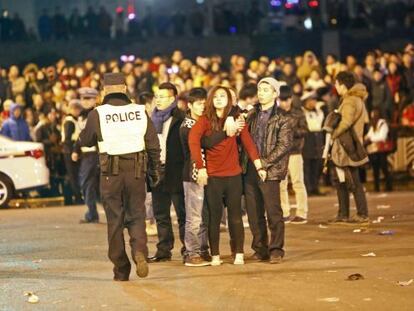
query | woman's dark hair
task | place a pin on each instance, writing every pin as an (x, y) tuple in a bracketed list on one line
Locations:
[(346, 78), (216, 123)]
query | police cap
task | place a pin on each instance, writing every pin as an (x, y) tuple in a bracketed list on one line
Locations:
[(114, 79), (87, 92)]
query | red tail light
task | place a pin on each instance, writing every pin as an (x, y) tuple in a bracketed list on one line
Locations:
[(37, 153)]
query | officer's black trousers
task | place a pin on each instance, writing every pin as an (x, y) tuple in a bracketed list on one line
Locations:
[(123, 197)]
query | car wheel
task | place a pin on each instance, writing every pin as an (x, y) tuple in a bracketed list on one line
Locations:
[(6, 191)]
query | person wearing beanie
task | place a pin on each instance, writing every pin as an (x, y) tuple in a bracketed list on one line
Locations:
[(272, 134)]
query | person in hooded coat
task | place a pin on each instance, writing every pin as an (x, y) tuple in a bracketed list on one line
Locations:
[(15, 127)]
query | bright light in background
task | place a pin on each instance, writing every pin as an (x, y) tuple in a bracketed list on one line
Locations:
[(127, 58), (313, 4), (131, 16), (308, 23), (275, 3), (200, 1)]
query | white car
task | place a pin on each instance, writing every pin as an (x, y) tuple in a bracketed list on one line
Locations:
[(22, 167)]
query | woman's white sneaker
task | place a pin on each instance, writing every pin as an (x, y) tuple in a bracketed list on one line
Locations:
[(239, 259), (215, 260)]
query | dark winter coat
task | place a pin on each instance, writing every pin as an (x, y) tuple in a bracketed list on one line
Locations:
[(278, 142)]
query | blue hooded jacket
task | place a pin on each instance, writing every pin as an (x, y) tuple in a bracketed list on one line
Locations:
[(16, 129)]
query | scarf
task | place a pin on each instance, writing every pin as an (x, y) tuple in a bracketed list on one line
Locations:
[(160, 116)]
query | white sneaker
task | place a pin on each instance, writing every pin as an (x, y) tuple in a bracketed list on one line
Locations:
[(215, 260), (239, 259)]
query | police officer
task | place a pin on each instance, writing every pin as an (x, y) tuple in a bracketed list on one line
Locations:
[(70, 134), (89, 166), (126, 138)]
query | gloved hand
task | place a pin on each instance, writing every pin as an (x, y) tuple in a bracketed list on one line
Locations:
[(155, 176), (154, 179)]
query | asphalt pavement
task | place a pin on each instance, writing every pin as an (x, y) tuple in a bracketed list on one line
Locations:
[(47, 252)]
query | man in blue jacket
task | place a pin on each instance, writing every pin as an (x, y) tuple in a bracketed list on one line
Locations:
[(16, 127)]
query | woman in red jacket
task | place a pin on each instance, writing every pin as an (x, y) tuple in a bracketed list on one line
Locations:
[(221, 171)]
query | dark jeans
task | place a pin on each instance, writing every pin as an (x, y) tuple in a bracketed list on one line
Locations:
[(353, 185), (89, 181), (72, 173), (161, 203), (261, 198), (229, 188), (123, 197), (379, 163), (312, 170)]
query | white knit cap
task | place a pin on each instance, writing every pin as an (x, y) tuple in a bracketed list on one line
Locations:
[(274, 83)]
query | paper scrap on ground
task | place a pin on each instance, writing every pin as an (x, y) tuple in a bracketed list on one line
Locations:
[(383, 206), (369, 255), (405, 283), (32, 298), (323, 226), (378, 220), (329, 299)]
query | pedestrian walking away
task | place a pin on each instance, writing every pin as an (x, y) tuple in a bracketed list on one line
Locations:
[(124, 145)]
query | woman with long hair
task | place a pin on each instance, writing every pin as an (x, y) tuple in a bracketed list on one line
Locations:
[(220, 171)]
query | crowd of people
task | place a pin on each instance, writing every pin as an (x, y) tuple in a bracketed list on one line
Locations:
[(41, 95), (36, 101), (227, 18), (275, 111)]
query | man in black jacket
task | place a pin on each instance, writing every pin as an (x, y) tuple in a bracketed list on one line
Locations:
[(167, 119), (49, 135), (273, 135), (125, 136)]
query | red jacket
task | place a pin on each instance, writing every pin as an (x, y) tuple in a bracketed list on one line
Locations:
[(223, 159), (394, 83)]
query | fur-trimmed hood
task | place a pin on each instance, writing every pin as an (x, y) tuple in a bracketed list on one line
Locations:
[(358, 90)]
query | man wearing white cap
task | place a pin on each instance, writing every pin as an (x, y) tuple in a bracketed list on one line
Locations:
[(272, 133)]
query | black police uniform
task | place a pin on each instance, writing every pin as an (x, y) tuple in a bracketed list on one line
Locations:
[(122, 181), (89, 164), (70, 134)]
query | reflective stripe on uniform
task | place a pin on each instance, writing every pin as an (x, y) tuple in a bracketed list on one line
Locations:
[(76, 132), (88, 149)]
